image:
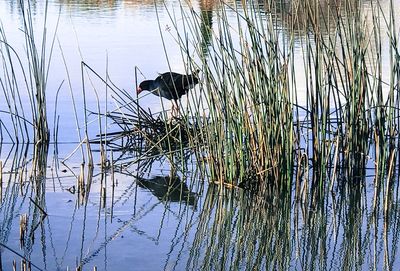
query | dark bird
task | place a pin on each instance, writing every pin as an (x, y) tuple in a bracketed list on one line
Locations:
[(170, 85)]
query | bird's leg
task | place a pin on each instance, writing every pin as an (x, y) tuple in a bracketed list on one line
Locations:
[(175, 109), (172, 111)]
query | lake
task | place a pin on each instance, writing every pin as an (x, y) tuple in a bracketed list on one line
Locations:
[(145, 214)]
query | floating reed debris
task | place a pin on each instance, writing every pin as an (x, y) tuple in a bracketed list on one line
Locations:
[(155, 136), (25, 265), (23, 223), (21, 180), (81, 184), (103, 197), (112, 184), (42, 211)]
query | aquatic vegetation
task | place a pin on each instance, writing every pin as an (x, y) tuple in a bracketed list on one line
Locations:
[(261, 132), (26, 73), (259, 122), (273, 164)]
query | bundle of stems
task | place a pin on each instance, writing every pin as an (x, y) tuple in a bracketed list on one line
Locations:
[(247, 125), (246, 65), (257, 130), (27, 71)]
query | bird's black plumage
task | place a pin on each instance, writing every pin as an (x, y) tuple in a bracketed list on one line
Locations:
[(170, 85)]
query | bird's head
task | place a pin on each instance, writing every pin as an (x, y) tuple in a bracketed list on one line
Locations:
[(138, 90), (145, 85)]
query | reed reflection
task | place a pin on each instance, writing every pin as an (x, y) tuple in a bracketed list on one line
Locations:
[(303, 17), (260, 232), (90, 3), (23, 182)]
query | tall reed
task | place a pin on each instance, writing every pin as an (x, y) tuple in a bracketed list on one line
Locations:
[(246, 71), (25, 74), (255, 125)]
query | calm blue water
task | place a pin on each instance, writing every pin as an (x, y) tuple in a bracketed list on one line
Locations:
[(138, 228)]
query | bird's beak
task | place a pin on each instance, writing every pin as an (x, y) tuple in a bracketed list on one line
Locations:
[(138, 90)]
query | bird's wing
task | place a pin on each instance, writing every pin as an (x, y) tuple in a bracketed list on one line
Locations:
[(186, 81), (165, 78), (180, 82)]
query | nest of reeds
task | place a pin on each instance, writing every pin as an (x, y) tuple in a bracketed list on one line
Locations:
[(148, 134)]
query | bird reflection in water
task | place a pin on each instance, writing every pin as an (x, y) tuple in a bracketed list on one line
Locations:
[(169, 188)]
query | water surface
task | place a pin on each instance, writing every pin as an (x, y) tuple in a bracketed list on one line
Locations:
[(140, 226)]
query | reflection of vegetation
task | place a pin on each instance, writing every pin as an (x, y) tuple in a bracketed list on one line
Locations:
[(21, 190), (300, 17), (89, 4), (227, 221), (308, 202), (236, 231)]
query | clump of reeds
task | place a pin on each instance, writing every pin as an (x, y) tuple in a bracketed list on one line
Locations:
[(256, 128), (24, 85), (249, 136), (27, 71), (39, 71), (248, 128)]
